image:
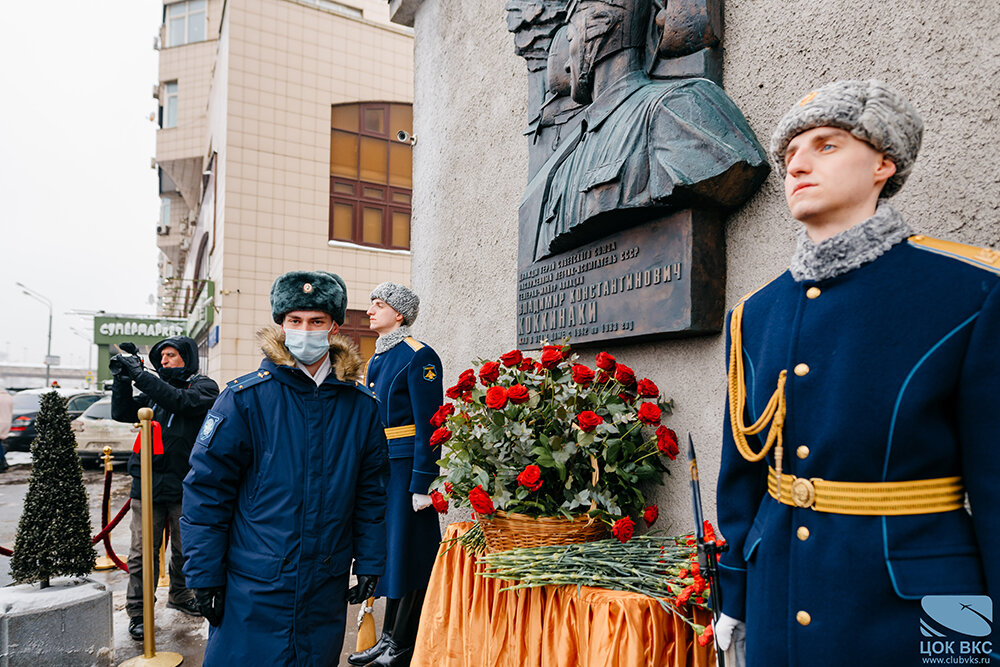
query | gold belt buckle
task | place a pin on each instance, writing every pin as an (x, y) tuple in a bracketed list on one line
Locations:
[(803, 492)]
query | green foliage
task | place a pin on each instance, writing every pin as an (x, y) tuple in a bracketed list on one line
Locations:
[(53, 535)]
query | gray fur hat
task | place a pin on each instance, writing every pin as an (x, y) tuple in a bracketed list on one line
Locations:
[(400, 298), (870, 110), (309, 290)]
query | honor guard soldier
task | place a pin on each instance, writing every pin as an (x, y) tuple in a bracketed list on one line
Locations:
[(863, 410), (405, 374), (287, 488)]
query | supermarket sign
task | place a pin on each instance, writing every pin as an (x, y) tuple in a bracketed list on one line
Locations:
[(138, 330)]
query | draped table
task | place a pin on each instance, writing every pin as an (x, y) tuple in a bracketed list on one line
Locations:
[(468, 622)]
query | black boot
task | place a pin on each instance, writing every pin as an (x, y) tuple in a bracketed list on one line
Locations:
[(399, 647), (366, 656)]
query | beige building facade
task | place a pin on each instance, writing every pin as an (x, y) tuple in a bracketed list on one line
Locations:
[(277, 151)]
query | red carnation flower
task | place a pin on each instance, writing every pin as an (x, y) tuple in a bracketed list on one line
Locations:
[(623, 529), (685, 595), (709, 531), (526, 364), (582, 375), (648, 389), (439, 417), (440, 436), (666, 442), (699, 583), (480, 501), (512, 358), (625, 375), (489, 373), (649, 413), (650, 514), (588, 420), (448, 488), (682, 574), (605, 361), (531, 477), (551, 356), (706, 636), (438, 501), (518, 394), (496, 397)]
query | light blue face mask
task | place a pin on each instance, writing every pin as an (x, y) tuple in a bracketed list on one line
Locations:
[(307, 346)]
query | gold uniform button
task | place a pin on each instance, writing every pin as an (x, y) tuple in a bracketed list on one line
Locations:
[(803, 534), (372, 384), (802, 452), (803, 618), (813, 292), (801, 369)]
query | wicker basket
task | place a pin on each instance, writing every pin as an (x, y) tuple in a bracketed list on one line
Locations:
[(518, 531)]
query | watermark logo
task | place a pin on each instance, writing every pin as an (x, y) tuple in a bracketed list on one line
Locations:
[(958, 629)]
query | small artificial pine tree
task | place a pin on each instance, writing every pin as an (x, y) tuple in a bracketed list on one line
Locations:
[(53, 535)]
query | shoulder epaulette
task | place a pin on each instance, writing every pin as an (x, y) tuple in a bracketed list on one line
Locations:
[(984, 258), (360, 386), (248, 380), (414, 343)]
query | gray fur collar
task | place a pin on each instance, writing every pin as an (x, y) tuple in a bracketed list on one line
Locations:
[(392, 339), (849, 249), (345, 361)]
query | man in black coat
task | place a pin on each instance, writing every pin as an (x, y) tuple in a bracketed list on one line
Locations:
[(180, 398)]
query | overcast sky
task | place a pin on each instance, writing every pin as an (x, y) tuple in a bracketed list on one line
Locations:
[(78, 200)]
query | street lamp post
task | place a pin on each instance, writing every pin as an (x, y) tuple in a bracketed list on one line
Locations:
[(90, 348), (48, 354)]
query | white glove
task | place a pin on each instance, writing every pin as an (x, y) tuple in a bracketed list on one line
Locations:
[(420, 502), (724, 628)]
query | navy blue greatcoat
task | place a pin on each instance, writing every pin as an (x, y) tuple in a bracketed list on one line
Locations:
[(901, 382), (407, 380), (287, 487)]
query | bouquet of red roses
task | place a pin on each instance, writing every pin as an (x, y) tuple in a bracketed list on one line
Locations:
[(553, 437)]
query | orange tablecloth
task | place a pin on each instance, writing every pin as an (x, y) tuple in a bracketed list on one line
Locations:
[(467, 622)]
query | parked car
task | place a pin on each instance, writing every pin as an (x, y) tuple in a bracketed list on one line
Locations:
[(95, 430), (26, 404)]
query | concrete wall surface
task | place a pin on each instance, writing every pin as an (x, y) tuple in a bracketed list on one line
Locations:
[(470, 167)]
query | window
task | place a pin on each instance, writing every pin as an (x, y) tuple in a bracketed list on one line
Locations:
[(355, 327), (186, 22), (165, 212), (168, 109), (371, 175)]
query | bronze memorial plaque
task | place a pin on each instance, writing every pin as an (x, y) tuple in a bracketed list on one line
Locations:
[(636, 156)]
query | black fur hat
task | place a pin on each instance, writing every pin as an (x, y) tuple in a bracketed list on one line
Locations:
[(309, 290)]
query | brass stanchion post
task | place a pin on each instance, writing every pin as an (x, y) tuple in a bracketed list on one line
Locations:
[(149, 656), (104, 562)]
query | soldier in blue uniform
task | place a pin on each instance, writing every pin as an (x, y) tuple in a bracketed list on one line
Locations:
[(405, 374), (863, 410), (286, 489)]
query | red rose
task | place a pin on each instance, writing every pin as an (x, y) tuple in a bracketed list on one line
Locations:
[(626, 397), (480, 500), (605, 361), (489, 373), (518, 394), (706, 636), (438, 501), (649, 413), (625, 375), (623, 529), (551, 356), (496, 397), (439, 436), (650, 514), (453, 392), (531, 477), (467, 397), (445, 411), (512, 358), (588, 420), (666, 442), (448, 488), (538, 368), (582, 375), (648, 389), (602, 377), (466, 381)]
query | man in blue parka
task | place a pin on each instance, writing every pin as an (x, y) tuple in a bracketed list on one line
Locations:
[(863, 414), (405, 374), (286, 489)]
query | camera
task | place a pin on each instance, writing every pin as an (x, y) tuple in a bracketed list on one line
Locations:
[(406, 138), (115, 363)]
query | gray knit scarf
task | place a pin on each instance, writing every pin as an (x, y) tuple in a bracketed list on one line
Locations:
[(849, 249), (391, 339)]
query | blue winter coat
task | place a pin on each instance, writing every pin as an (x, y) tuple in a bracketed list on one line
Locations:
[(287, 487), (407, 380), (901, 382)]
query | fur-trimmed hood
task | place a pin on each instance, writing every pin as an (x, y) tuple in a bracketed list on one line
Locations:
[(345, 360)]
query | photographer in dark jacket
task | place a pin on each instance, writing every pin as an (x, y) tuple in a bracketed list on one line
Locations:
[(180, 398)]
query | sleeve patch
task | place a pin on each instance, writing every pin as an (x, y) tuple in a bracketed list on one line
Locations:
[(209, 427), (430, 373)]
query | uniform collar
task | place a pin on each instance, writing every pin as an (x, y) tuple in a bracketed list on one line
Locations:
[(851, 248), (391, 339), (321, 372)]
